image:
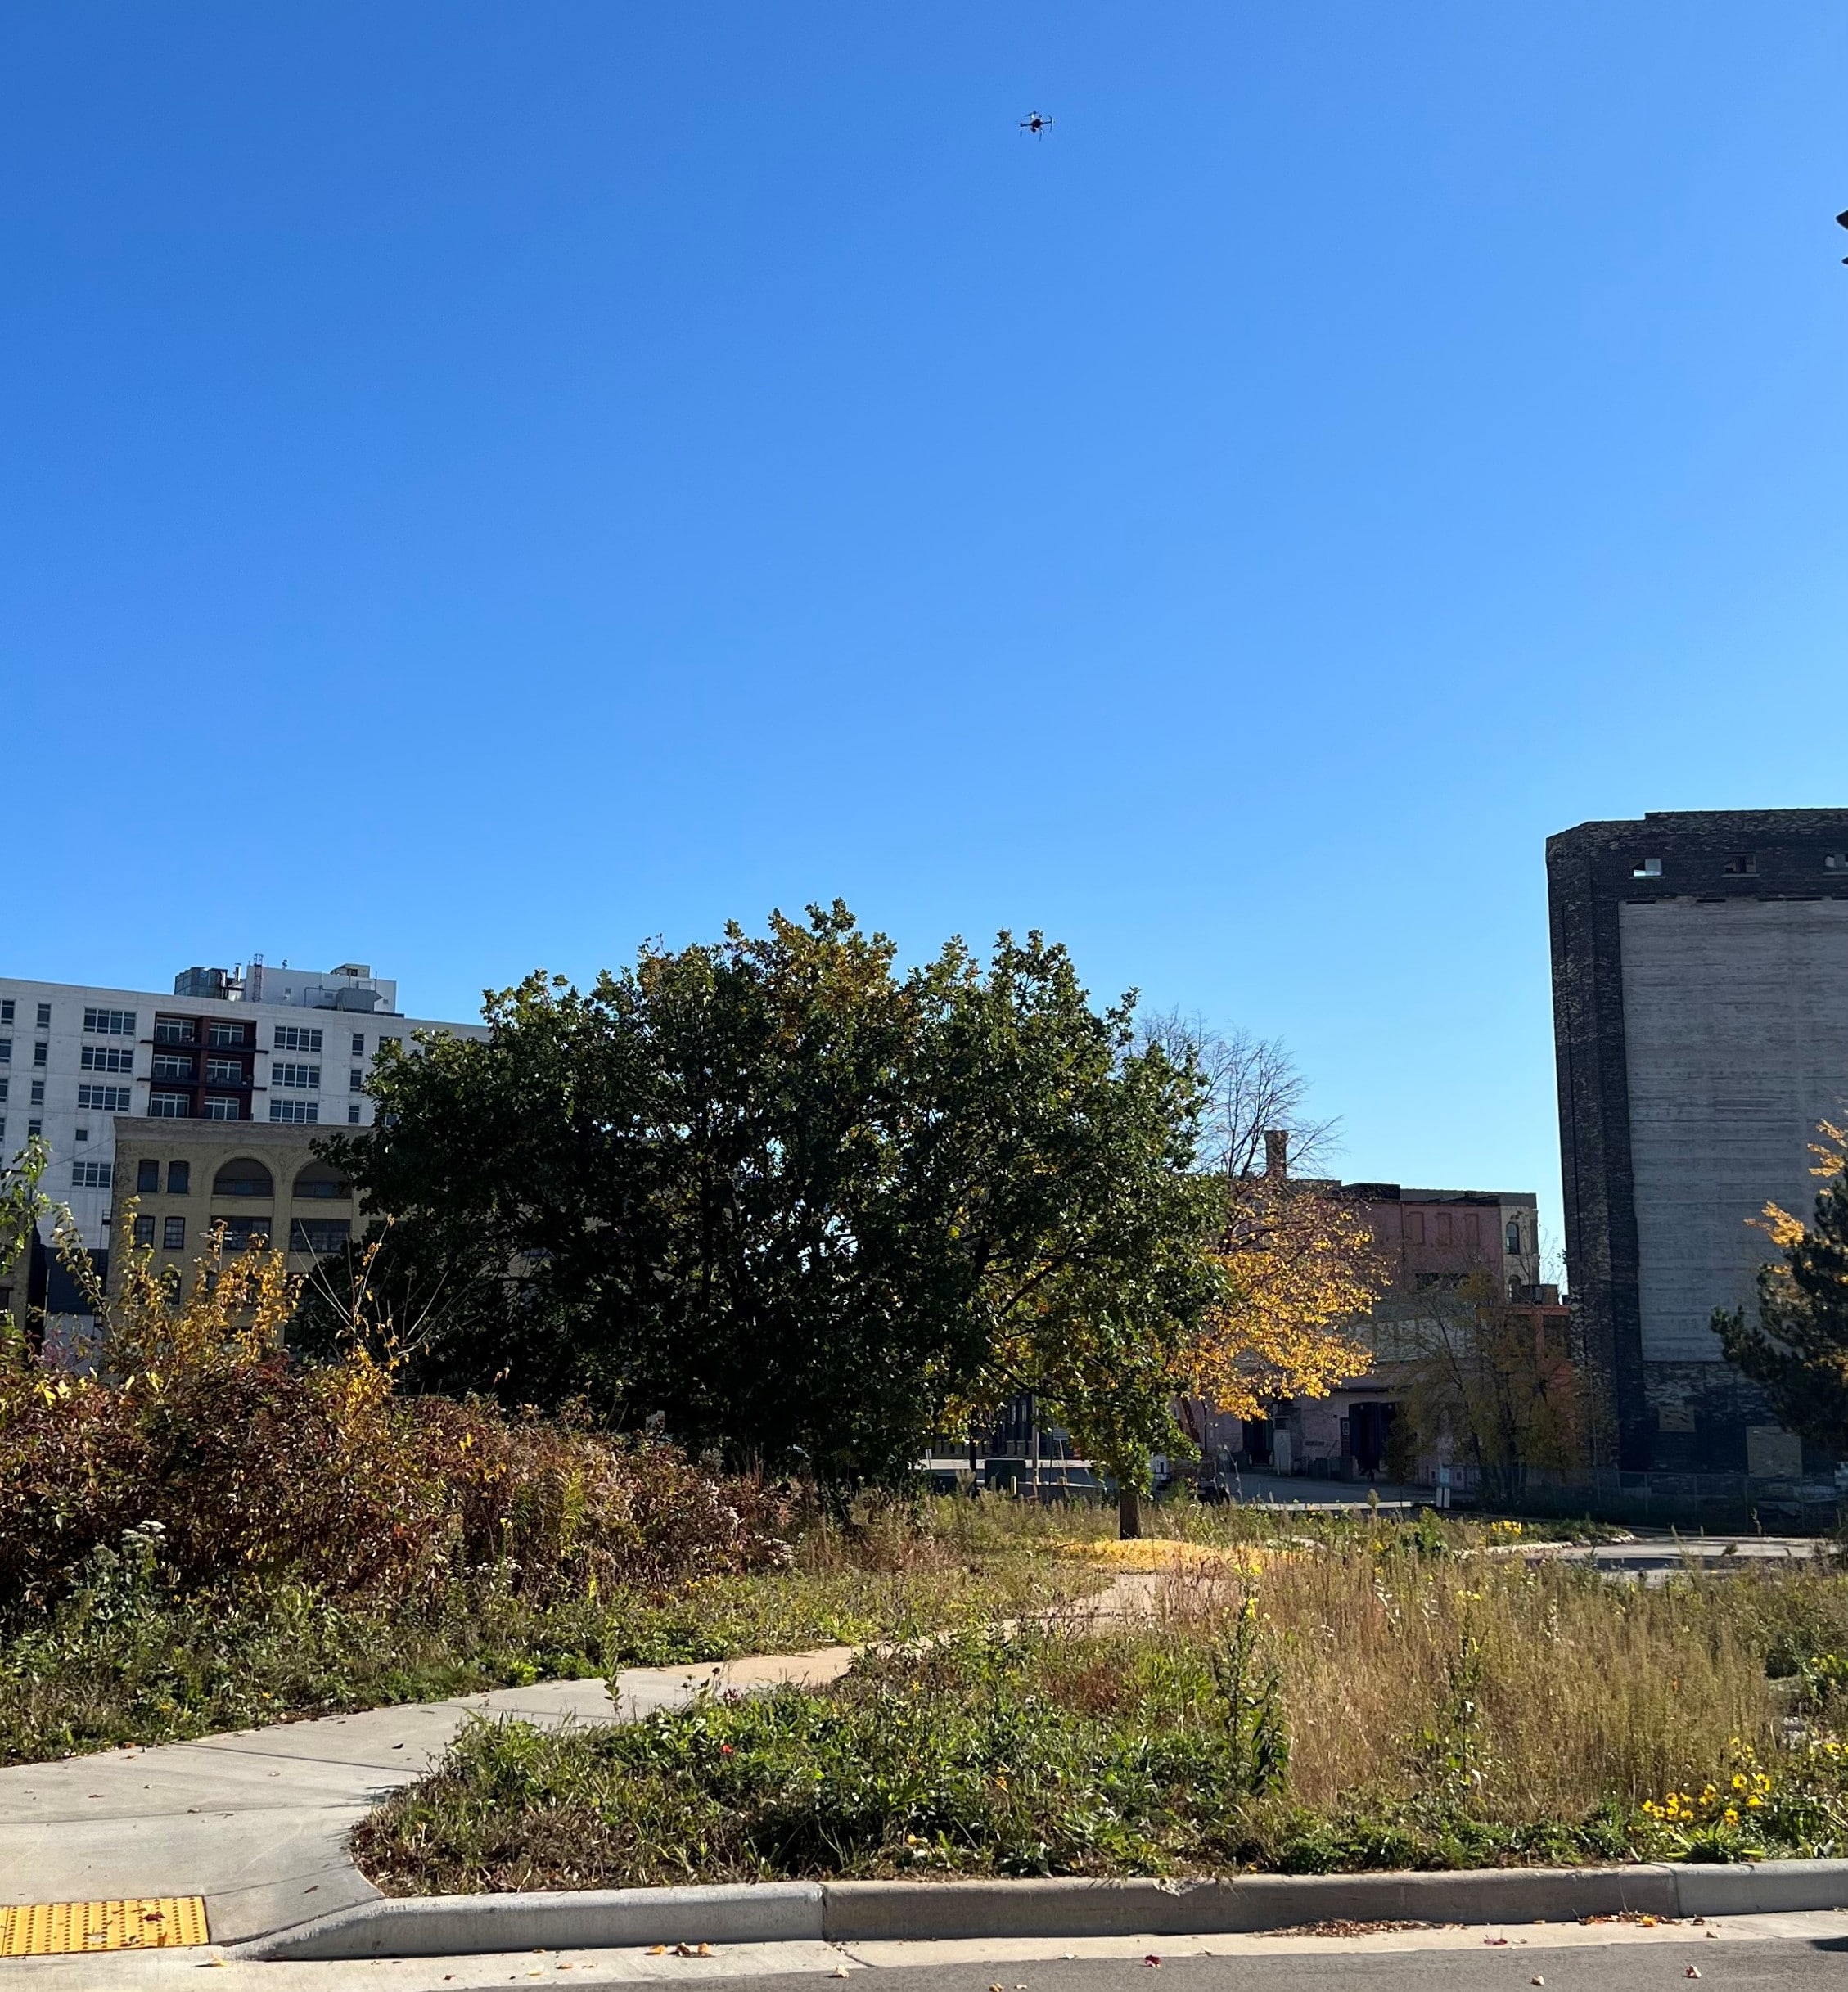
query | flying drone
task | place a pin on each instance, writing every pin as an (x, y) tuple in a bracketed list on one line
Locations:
[(1036, 123)]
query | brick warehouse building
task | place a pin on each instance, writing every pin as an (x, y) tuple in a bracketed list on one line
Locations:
[(1700, 970)]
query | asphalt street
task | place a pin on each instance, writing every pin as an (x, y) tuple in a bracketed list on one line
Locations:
[(1778, 1953)]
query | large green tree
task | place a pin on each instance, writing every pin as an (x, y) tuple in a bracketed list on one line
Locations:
[(1797, 1348), (777, 1196)]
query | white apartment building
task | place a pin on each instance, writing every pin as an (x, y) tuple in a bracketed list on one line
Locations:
[(275, 1045)]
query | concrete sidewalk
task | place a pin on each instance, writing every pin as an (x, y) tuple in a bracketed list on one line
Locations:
[(257, 1821)]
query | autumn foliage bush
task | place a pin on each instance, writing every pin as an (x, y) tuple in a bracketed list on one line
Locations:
[(256, 1466)]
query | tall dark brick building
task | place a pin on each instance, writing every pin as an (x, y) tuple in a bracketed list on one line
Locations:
[(1700, 984)]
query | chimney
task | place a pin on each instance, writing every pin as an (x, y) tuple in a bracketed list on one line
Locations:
[(1277, 1151)]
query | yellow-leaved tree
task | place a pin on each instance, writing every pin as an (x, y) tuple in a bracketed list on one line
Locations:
[(1301, 1269)]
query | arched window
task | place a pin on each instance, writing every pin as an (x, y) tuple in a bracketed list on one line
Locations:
[(318, 1180), (246, 1177), (1514, 1234)]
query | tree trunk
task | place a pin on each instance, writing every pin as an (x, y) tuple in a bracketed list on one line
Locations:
[(1129, 1512)]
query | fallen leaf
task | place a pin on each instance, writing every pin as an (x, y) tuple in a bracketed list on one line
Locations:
[(1536, 1980), (1151, 1959), (1494, 1939), (655, 1950), (1693, 1971)]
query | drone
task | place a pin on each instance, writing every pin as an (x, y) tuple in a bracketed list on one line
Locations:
[(1036, 123), (1841, 220)]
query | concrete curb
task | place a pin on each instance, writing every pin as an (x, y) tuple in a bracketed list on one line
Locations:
[(847, 1912)]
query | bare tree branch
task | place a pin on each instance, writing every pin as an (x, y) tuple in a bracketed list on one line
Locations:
[(1252, 1087)]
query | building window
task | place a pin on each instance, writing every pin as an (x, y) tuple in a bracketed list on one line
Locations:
[(171, 1065), (1836, 861), (1414, 1227), (6, 1010), (297, 1038), (223, 1072), (4, 1084), (39, 1053), (297, 1078), (33, 1129), (1745, 865), (169, 1105), (1514, 1235), (104, 1099), (6, 1050), (90, 1175), (300, 1111), (173, 1235), (39, 1093), (226, 1036), (109, 1023), (359, 1044), (353, 1113), (1443, 1227), (44, 1017), (355, 1080), (82, 1133), (246, 1177), (173, 1030), (390, 1037), (109, 1058), (147, 1177), (319, 1234), (179, 1179), (1647, 867), (241, 1233), (144, 1231), (222, 1106)]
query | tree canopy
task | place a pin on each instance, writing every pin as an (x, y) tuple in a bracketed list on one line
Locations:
[(1797, 1350), (787, 1201)]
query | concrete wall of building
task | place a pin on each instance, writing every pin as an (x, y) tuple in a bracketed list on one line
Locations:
[(47, 1090), (1736, 1025), (1739, 1056)]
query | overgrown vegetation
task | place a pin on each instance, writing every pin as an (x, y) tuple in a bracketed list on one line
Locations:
[(1797, 1350), (128, 1657), (205, 1533), (1378, 1696)]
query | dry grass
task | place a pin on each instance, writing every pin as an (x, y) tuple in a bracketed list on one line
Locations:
[(1370, 1697), (1527, 1691)]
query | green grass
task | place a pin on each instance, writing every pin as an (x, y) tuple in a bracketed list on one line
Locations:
[(1387, 1699), (125, 1661), (1042, 1755)]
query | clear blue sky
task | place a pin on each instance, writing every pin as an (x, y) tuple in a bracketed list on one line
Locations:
[(485, 485)]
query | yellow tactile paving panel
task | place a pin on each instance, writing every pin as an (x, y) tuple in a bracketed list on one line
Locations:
[(68, 1929)]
